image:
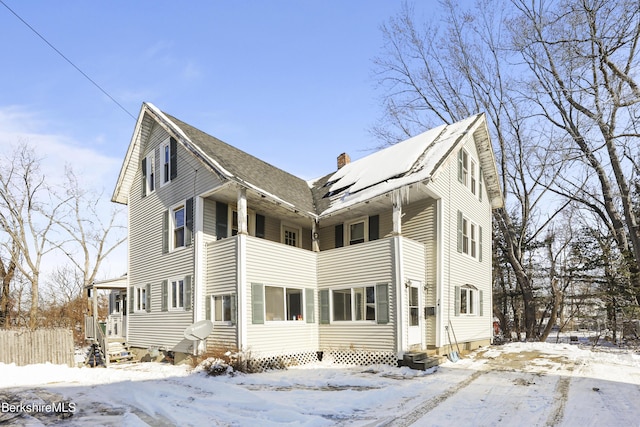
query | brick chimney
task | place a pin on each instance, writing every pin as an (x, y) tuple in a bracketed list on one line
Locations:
[(343, 159)]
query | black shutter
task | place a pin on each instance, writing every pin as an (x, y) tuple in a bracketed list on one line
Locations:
[(374, 227), (222, 215), (165, 232), (260, 220), (173, 158), (144, 177), (188, 231), (339, 235)]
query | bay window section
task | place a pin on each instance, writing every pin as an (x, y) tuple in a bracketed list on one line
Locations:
[(354, 304)]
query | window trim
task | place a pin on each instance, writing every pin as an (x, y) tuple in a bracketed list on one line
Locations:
[(470, 237), (214, 311), (284, 227), (150, 172), (170, 294), (301, 317), (353, 307), (165, 150), (172, 226), (347, 230), (140, 299), (469, 292)]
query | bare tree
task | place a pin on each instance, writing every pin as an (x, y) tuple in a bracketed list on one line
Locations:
[(7, 272), (28, 212), (445, 72), (88, 234), (582, 58)]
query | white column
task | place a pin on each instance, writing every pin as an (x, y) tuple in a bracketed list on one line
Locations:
[(315, 242), (242, 211), (397, 213)]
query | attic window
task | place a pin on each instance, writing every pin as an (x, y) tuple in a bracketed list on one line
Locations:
[(168, 160)]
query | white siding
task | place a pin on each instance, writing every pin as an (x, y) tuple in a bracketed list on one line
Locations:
[(147, 262), (460, 269), (358, 265), (275, 264), (221, 279)]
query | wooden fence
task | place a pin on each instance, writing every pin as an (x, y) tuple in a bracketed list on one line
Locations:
[(25, 347)]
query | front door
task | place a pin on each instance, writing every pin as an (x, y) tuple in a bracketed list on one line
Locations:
[(414, 307)]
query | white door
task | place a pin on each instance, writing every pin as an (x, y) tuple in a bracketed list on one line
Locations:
[(415, 308)]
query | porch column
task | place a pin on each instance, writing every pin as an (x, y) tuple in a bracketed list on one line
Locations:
[(315, 241), (242, 211), (397, 213)]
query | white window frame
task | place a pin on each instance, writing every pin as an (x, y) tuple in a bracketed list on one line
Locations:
[(470, 236), (294, 228), (140, 299), (151, 172), (471, 173), (173, 286), (353, 308), (288, 317), (165, 163), (469, 300), (347, 230), (214, 309), (173, 226)]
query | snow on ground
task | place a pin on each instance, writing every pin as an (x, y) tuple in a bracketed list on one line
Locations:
[(532, 384)]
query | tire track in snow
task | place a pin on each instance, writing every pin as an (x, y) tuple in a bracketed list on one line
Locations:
[(560, 398), (413, 416)]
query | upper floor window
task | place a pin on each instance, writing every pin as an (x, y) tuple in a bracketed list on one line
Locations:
[(148, 168), (357, 231), (178, 226), (291, 235), (468, 171), (168, 160), (469, 237)]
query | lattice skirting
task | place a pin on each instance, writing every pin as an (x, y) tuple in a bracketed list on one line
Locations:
[(343, 357)]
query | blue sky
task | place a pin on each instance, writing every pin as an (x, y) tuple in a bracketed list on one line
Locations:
[(288, 81)]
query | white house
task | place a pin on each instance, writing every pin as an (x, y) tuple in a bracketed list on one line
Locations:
[(380, 255)]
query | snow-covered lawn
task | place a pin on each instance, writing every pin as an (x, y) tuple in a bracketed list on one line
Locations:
[(533, 384)]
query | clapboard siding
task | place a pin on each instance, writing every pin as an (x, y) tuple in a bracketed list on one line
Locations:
[(221, 273), (147, 262), (358, 265), (274, 264), (460, 269)]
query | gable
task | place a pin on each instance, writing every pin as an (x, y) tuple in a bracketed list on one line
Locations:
[(408, 162)]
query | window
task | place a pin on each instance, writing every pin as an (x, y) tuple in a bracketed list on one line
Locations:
[(472, 176), (291, 235), (141, 299), (283, 303), (148, 173), (178, 218), (414, 306), (222, 308), (357, 231), (467, 299), (354, 304), (233, 222), (468, 173), (176, 295), (480, 180), (469, 237), (165, 152)]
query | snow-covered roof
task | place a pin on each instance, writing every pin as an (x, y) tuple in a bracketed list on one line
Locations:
[(410, 161)]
